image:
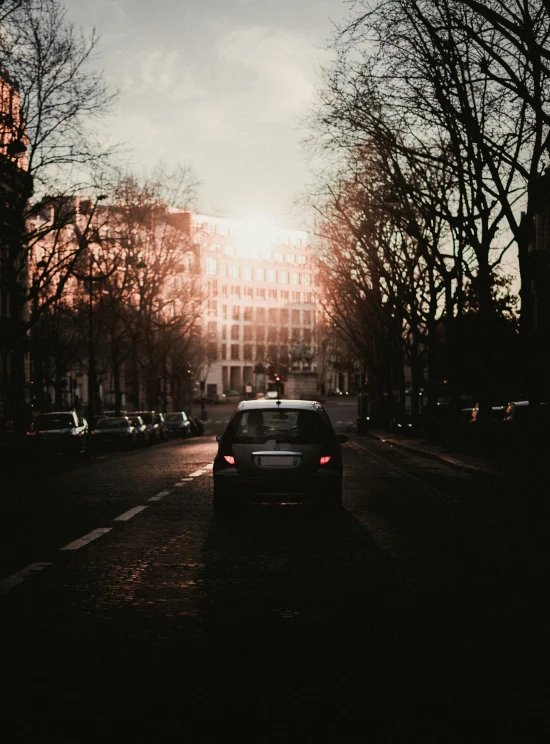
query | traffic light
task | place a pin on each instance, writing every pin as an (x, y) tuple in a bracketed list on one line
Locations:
[(277, 379)]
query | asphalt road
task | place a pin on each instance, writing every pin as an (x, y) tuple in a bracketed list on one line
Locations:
[(424, 597)]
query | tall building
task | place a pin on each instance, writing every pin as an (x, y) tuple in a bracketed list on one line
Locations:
[(15, 190), (260, 311)]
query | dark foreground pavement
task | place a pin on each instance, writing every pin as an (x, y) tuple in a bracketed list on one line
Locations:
[(423, 599)]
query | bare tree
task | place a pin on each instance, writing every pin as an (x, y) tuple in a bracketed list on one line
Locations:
[(51, 140)]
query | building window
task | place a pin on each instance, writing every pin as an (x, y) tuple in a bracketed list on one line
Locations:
[(272, 294), (235, 352), (295, 317), (307, 317), (224, 312), (248, 291), (247, 272), (212, 329), (272, 352), (247, 313), (224, 351), (295, 278), (295, 297), (248, 335), (283, 351), (224, 290), (259, 275), (271, 275), (301, 258), (260, 315), (272, 333), (211, 265), (224, 332), (308, 297), (284, 295), (284, 316), (295, 336), (212, 307), (283, 333), (260, 352), (290, 258), (212, 288), (260, 293), (307, 335), (235, 290), (272, 315), (235, 332), (306, 279), (279, 258), (260, 333), (224, 270), (283, 277), (235, 312), (234, 271), (248, 355)]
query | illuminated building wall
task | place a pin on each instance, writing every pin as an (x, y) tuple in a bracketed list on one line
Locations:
[(259, 285)]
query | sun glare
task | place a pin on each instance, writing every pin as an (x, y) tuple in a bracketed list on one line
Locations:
[(256, 236)]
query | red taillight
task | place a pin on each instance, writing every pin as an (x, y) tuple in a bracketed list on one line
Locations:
[(324, 460), (230, 459)]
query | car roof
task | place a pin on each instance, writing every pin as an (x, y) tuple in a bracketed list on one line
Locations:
[(307, 405)]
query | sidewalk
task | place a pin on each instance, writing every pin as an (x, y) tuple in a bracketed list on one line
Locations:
[(514, 467)]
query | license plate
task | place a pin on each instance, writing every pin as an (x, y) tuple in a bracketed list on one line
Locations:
[(276, 461)]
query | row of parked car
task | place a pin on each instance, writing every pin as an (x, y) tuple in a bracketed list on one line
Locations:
[(65, 432)]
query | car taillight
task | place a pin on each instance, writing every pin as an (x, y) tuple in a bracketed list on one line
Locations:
[(230, 459), (324, 460)]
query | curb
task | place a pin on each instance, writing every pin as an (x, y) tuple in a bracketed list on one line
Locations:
[(458, 464)]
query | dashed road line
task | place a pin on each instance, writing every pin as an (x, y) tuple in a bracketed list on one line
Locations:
[(129, 514), (93, 535), (159, 496), (209, 466), (15, 579), (179, 485), (196, 473)]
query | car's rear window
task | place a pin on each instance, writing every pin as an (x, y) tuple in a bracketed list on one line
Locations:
[(284, 424), (112, 423), (172, 418), (47, 422)]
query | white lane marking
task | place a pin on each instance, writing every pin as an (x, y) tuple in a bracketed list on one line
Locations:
[(93, 535), (159, 496), (129, 514), (196, 473), (18, 578), (209, 467), (178, 485)]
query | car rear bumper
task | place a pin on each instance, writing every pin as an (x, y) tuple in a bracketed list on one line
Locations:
[(235, 489)]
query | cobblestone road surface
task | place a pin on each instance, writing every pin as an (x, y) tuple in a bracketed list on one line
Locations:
[(423, 597)]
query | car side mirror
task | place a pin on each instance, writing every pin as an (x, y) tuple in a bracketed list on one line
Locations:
[(341, 438), (218, 437)]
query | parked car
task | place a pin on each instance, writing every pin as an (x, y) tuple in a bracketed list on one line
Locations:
[(149, 419), (163, 429), (497, 414), (58, 432), (518, 416), (178, 424), (197, 426), (231, 396), (273, 451), (334, 391), (111, 431), (142, 433)]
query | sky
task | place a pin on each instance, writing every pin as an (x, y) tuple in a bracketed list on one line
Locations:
[(220, 85)]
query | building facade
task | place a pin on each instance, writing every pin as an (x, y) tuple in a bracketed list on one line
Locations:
[(260, 312)]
